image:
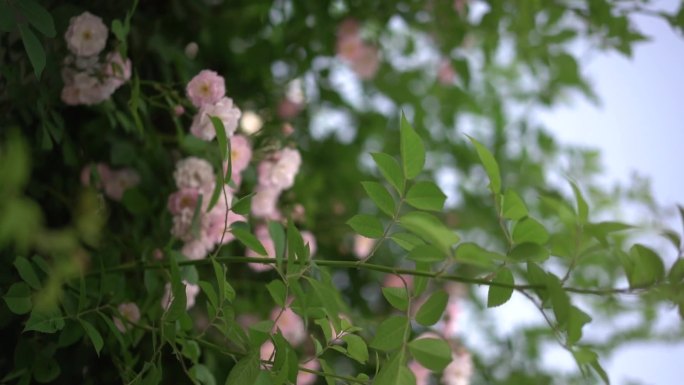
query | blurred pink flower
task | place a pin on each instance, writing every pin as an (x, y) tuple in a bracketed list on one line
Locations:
[(446, 73), (266, 351), (310, 239), (290, 325), (306, 378), (86, 35), (102, 171), (207, 87), (120, 181), (422, 373), (264, 203), (129, 312), (196, 248), (367, 63), (224, 109), (117, 69), (393, 280), (191, 291), (460, 370), (287, 109), (178, 110), (280, 169), (240, 155), (262, 234), (185, 198), (362, 246), (193, 172)]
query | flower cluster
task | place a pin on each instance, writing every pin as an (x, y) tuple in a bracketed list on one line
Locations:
[(87, 79), (114, 183), (363, 58), (199, 229), (207, 92), (191, 291)]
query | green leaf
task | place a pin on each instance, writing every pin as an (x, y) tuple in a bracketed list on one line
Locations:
[(366, 225), (45, 369), (356, 347), (243, 205), (576, 321), (407, 241), (490, 165), (38, 16), (390, 333), (380, 196), (390, 169), (391, 372), (278, 291), (202, 374), (93, 334), (248, 239), (45, 321), (136, 202), (600, 371), (412, 150), (512, 206), (431, 311), (33, 48), (277, 233), (177, 308), (473, 254), (220, 136), (432, 353), (329, 298), (7, 20), (397, 297), (560, 301), (582, 207), (426, 253), (529, 230), (428, 227), (529, 252), (676, 274), (245, 371), (498, 295), (191, 350), (643, 266), (426, 195), (18, 298), (536, 276)]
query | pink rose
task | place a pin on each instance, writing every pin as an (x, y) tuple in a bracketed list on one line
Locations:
[(129, 312), (207, 87), (86, 35)]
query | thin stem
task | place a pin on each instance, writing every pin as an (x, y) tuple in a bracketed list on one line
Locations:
[(375, 267)]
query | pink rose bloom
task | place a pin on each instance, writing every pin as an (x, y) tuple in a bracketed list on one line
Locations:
[(86, 35), (71, 95), (421, 373), (349, 47), (251, 122), (193, 172), (191, 291), (280, 170), (290, 325), (306, 378), (102, 171), (185, 198), (87, 63), (362, 246), (367, 63), (207, 87), (117, 69), (264, 203), (120, 181), (218, 222), (287, 129), (178, 110), (182, 223), (309, 239), (196, 249), (460, 370), (129, 312), (240, 154), (445, 73), (225, 110), (191, 50), (262, 234)]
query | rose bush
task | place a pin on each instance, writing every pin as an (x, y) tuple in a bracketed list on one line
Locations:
[(153, 232)]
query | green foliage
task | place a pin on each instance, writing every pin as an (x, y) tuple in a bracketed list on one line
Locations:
[(431, 311), (499, 295), (432, 353)]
